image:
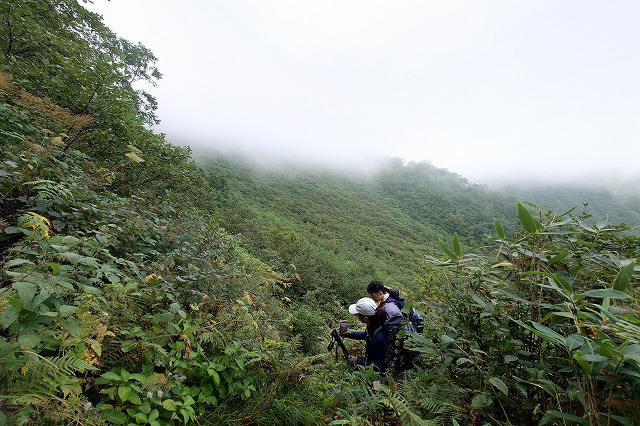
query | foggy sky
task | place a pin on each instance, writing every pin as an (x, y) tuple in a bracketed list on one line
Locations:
[(491, 90)]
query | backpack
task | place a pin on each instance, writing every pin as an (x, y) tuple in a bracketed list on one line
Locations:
[(416, 320), (394, 297)]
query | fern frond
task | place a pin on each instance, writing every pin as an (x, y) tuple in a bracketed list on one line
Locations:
[(213, 337), (48, 189), (40, 225), (402, 409), (41, 379)]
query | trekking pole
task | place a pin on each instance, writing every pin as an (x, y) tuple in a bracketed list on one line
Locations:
[(335, 338)]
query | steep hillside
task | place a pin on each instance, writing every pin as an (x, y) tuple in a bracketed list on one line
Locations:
[(341, 231)]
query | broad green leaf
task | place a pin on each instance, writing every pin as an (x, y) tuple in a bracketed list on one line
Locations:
[(110, 375), (631, 352), (29, 341), (602, 223), (72, 327), (169, 404), (9, 316), (510, 358), (574, 341), (558, 257), (67, 310), (141, 418), (216, 377), (498, 227), (18, 262), (548, 334), (456, 246), (498, 383), (445, 340), (139, 377), (462, 360), (623, 278), (528, 222), (115, 417), (447, 251), (124, 392), (481, 400), (551, 416), (605, 292), (26, 291), (562, 282), (593, 358)]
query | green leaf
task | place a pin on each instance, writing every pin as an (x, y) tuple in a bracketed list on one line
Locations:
[(564, 283), (481, 400), (593, 358), (124, 392), (510, 358), (498, 383), (550, 416), (574, 341), (548, 334), (18, 262), (528, 222), (216, 377), (605, 292), (456, 246), (115, 417), (447, 251), (188, 400), (67, 310), (623, 278), (9, 316), (445, 340), (558, 257), (141, 418), (498, 227), (29, 341), (169, 404), (139, 377), (26, 291), (110, 375)]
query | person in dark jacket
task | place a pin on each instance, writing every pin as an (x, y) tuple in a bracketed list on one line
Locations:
[(375, 334), (382, 295), (391, 305)]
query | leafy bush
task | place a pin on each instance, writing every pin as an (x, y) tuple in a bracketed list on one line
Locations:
[(544, 331)]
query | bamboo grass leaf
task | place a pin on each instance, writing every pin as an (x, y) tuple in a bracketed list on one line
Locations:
[(623, 278), (528, 222)]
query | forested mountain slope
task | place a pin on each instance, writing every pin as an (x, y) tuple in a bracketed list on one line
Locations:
[(340, 230), (343, 230)]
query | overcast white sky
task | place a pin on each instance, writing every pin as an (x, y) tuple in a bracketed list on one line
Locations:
[(497, 89)]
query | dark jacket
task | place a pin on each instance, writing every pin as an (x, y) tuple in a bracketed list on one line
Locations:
[(377, 342)]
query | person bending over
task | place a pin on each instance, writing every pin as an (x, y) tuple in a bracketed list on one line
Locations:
[(375, 334)]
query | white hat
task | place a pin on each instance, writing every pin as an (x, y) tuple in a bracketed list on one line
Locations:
[(365, 306)]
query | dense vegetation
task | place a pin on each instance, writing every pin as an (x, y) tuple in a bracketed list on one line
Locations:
[(139, 287)]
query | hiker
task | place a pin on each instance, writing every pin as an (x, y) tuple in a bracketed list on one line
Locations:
[(375, 335), (391, 305), (398, 358), (381, 294)]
